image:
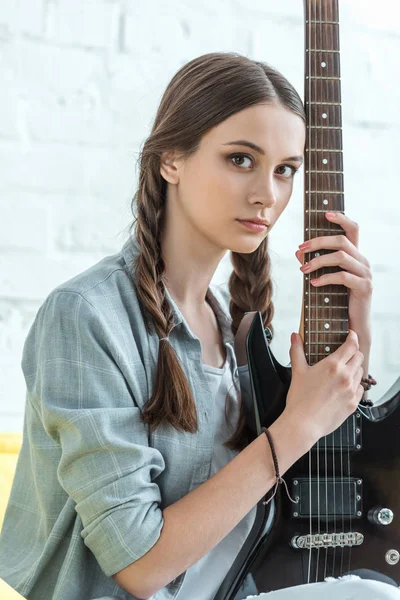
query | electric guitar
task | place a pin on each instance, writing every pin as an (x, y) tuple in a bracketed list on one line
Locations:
[(346, 513)]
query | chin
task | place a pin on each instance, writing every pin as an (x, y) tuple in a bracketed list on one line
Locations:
[(246, 246)]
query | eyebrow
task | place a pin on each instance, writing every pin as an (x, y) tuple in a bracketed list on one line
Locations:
[(258, 149)]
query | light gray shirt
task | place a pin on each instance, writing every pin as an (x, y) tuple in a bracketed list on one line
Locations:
[(91, 480)]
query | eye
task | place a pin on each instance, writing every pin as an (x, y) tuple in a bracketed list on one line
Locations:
[(292, 173), (240, 156)]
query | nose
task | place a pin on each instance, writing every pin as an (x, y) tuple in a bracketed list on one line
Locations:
[(266, 193)]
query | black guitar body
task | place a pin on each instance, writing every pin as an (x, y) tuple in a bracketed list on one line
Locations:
[(358, 484)]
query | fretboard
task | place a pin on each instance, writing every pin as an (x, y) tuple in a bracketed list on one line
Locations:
[(325, 307)]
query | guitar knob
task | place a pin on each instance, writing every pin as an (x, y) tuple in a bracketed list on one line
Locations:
[(380, 516)]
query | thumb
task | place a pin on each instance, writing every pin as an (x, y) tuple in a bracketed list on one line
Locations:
[(297, 356)]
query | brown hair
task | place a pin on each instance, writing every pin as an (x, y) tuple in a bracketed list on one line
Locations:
[(202, 94)]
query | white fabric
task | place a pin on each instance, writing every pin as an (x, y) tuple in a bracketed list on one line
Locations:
[(348, 587), (203, 579)]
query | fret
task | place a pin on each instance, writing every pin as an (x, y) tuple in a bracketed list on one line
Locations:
[(324, 22), (326, 103), (322, 343), (320, 77), (326, 319), (317, 210), (325, 331), (322, 127), (322, 171), (324, 229), (320, 50), (328, 293), (327, 306)]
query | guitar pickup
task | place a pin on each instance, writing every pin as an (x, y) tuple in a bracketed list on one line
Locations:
[(331, 498), (346, 437)]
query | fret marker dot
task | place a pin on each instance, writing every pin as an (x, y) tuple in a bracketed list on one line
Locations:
[(326, 325), (324, 115), (327, 348), (325, 161), (323, 65), (326, 300), (316, 254), (325, 201)]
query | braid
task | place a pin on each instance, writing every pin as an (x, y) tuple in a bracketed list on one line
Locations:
[(250, 288), (172, 400)]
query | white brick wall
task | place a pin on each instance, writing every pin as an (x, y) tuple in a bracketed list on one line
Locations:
[(81, 81)]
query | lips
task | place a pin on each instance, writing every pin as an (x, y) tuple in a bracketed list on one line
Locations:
[(255, 221)]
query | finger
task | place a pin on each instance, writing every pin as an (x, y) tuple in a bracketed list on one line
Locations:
[(351, 227), (334, 242), (355, 363), (348, 349), (340, 259), (363, 287), (360, 375)]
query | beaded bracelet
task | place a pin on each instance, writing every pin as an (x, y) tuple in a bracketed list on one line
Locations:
[(367, 382), (279, 479)]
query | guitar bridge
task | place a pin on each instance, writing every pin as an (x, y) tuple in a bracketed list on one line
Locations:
[(327, 540)]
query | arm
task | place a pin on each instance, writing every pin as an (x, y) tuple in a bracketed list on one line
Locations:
[(200, 520)]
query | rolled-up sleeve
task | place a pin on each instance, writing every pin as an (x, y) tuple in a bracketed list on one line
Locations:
[(106, 466)]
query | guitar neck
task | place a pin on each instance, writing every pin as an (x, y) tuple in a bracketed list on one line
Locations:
[(324, 323)]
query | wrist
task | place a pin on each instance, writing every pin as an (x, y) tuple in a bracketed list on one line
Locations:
[(291, 440)]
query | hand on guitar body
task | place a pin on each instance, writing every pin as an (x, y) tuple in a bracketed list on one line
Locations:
[(322, 396)]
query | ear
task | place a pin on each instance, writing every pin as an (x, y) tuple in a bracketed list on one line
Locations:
[(169, 167)]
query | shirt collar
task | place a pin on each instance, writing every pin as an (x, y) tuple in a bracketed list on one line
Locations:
[(130, 251)]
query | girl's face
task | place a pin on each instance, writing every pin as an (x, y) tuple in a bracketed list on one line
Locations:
[(225, 180)]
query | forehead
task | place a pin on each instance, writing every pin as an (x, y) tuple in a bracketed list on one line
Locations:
[(273, 127)]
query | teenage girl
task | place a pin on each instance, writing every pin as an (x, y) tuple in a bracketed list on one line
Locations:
[(136, 478)]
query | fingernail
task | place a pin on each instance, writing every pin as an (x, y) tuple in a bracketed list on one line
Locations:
[(332, 215), (305, 245), (293, 337)]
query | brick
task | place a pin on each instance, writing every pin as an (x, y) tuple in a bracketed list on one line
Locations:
[(52, 168), (364, 15), (92, 23), (87, 224), (23, 224), (21, 16)]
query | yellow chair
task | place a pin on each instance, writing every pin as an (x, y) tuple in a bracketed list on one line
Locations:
[(10, 445)]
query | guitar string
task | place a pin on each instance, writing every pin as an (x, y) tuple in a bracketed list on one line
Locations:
[(316, 122), (342, 484), (308, 7), (327, 60), (322, 45), (346, 302)]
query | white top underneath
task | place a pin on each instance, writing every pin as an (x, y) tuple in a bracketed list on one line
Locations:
[(203, 579)]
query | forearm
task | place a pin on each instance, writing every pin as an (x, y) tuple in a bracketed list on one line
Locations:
[(200, 520), (364, 341)]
